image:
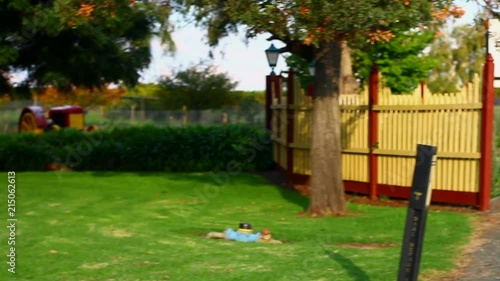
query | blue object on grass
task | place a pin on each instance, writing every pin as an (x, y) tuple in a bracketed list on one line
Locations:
[(242, 237)]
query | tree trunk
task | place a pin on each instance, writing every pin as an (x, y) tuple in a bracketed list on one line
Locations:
[(349, 83), (327, 187)]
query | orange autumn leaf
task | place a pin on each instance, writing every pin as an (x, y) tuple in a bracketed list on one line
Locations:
[(85, 10), (457, 11), (309, 39), (380, 36), (441, 15), (304, 11)]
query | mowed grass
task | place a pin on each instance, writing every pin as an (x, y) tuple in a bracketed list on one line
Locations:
[(127, 226), (495, 190)]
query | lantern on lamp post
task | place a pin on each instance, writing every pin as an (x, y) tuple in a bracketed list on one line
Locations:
[(312, 71), (272, 54), (312, 68)]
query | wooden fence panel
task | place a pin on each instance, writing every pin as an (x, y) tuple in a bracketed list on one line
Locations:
[(453, 122), (354, 136)]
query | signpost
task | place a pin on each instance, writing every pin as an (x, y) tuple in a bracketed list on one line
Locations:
[(417, 213)]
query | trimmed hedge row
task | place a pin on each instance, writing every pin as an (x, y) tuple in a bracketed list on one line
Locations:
[(190, 149)]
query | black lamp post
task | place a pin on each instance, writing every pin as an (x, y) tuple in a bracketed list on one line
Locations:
[(272, 54)]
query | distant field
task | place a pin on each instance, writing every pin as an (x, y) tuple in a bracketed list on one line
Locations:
[(122, 118)]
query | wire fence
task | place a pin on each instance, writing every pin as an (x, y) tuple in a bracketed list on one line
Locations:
[(128, 114)]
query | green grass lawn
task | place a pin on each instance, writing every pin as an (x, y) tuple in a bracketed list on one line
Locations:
[(126, 226), (495, 190)]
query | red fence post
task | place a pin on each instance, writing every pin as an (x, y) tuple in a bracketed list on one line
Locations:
[(372, 131), (486, 163), (290, 124), (422, 92), (310, 90)]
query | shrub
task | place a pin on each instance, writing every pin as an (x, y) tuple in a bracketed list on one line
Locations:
[(190, 149)]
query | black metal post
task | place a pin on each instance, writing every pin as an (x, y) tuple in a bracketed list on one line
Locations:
[(417, 213)]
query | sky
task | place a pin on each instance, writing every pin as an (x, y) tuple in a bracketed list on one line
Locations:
[(244, 63)]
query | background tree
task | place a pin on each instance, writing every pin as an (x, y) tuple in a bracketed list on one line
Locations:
[(86, 98), (67, 43), (249, 104), (197, 88), (401, 61), (143, 90), (316, 30), (460, 51)]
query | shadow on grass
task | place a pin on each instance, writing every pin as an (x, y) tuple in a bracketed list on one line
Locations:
[(295, 198), (354, 271), (223, 180), (287, 191)]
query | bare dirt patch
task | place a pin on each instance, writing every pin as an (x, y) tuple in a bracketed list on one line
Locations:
[(116, 232), (95, 265)]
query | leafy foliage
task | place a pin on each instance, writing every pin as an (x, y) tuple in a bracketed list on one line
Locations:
[(316, 21), (401, 61), (301, 68), (143, 90), (197, 88), (67, 43), (460, 53), (49, 97), (249, 104), (190, 149)]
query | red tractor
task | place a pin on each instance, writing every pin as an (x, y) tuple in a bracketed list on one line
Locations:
[(34, 119)]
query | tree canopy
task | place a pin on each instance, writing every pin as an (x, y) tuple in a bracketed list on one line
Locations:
[(401, 61), (460, 52), (197, 88), (66, 43), (312, 22)]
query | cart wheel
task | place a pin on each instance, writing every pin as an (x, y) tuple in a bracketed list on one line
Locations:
[(28, 123), (32, 120)]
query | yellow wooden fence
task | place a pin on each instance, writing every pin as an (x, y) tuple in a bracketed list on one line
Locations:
[(451, 121)]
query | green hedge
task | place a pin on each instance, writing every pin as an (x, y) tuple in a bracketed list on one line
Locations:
[(189, 149)]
